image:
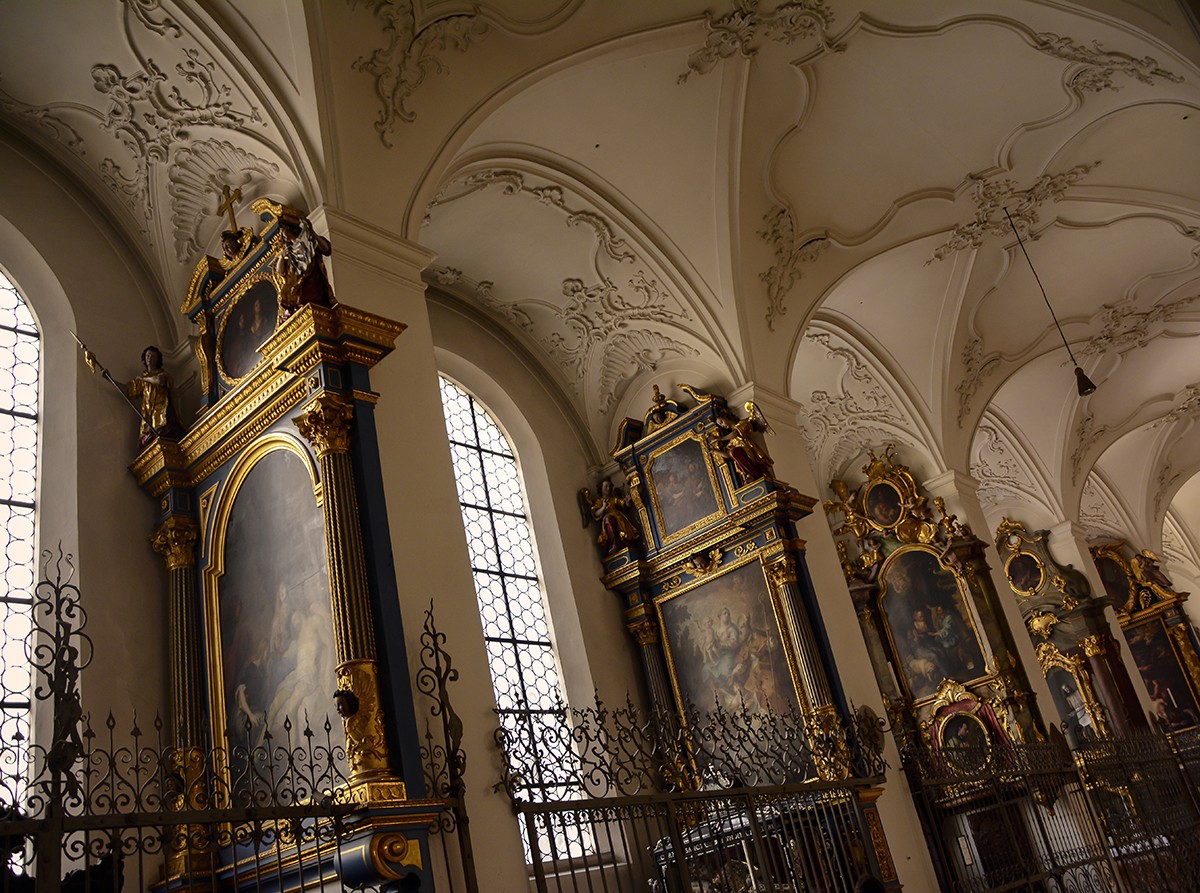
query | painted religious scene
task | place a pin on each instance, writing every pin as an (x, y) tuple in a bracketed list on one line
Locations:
[(1171, 696), (724, 645), (250, 323), (276, 626), (929, 624), (683, 489)]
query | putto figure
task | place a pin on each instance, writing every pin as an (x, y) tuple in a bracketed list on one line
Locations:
[(608, 509), (153, 386), (733, 439), (302, 268)]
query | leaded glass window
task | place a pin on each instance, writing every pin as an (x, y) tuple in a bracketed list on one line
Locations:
[(512, 606), (20, 360)]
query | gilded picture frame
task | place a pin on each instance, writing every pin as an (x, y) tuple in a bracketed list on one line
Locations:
[(930, 628), (724, 643), (251, 318), (285, 601), (963, 741), (1025, 572), (681, 481)]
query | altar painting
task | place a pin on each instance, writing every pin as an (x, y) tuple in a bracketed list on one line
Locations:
[(250, 323), (276, 626), (724, 645), (931, 630), (1171, 697), (682, 486)]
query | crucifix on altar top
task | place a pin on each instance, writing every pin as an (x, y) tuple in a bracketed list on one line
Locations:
[(233, 244)]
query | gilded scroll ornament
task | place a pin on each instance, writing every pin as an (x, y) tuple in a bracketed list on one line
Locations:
[(175, 540), (325, 423), (393, 850), (1041, 624), (366, 742)]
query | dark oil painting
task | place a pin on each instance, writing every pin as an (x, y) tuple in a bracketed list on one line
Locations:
[(1116, 581), (1024, 573), (929, 623), (277, 651), (724, 642), (682, 486), (1170, 695), (251, 322), (965, 742), (884, 504)]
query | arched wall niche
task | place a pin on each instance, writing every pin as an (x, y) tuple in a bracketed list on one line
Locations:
[(594, 650), (78, 275)]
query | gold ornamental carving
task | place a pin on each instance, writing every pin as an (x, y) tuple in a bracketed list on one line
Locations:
[(1041, 624), (366, 741), (1096, 645), (175, 540), (391, 850), (325, 423), (780, 573), (645, 633), (879, 842)]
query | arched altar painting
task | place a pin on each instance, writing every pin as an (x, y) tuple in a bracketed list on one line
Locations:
[(276, 626)]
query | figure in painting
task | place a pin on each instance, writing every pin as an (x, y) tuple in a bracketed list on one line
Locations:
[(153, 386), (734, 440), (608, 509), (1080, 718), (302, 268)]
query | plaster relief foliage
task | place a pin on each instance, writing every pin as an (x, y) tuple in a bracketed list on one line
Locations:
[(999, 474), (1100, 66), (1177, 545), (842, 424), (1087, 435), (780, 231), (976, 367), (606, 327), (1123, 327), (150, 111), (993, 196), (1165, 480), (200, 170), (1095, 513), (401, 66), (1188, 408), (737, 30)]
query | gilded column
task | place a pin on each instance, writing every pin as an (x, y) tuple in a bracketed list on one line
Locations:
[(188, 849), (782, 575), (175, 540), (325, 423), (645, 632)]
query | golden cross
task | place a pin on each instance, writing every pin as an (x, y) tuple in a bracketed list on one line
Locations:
[(226, 207)]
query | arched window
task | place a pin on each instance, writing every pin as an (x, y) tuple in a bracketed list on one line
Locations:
[(512, 605), (20, 360)]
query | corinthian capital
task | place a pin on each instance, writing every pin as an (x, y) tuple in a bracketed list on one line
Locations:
[(325, 423), (175, 540)]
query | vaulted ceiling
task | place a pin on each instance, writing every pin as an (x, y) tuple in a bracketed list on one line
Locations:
[(808, 195)]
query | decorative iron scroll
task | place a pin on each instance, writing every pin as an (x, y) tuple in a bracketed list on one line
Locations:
[(624, 751), (127, 803)]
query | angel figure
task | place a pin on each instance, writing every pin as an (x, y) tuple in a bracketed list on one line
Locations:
[(608, 508), (733, 439)]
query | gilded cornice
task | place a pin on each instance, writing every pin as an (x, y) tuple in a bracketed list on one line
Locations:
[(312, 335)]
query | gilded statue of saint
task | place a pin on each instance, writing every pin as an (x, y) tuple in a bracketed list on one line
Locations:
[(153, 386), (733, 439), (608, 509), (302, 267)]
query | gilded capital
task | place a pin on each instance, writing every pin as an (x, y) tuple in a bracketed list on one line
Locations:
[(325, 423), (1095, 646), (645, 633), (175, 540), (782, 572)]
